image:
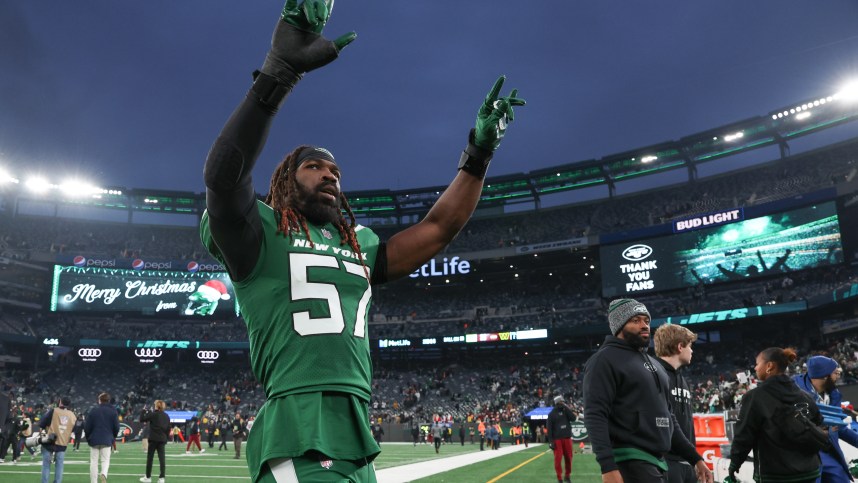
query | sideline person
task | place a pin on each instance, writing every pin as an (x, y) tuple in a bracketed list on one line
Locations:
[(101, 428), (673, 349), (820, 382), (775, 457), (159, 430), (626, 404)]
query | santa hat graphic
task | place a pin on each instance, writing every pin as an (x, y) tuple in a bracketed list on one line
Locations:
[(213, 290)]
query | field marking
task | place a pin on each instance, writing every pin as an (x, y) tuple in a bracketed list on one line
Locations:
[(427, 468), (517, 467), (211, 477)]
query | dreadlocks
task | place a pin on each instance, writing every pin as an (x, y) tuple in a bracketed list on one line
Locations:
[(283, 197)]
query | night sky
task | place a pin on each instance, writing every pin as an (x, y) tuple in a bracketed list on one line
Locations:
[(133, 93)]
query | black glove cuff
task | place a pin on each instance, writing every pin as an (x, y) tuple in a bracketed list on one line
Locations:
[(475, 160), (271, 91)]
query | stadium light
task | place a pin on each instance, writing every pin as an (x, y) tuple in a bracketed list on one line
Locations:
[(38, 185), (732, 137), (648, 159), (803, 115), (6, 178), (75, 188), (849, 92)]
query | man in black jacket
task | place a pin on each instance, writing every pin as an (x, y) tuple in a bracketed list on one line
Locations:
[(224, 426), (559, 427), (626, 401), (159, 428), (673, 348), (5, 414)]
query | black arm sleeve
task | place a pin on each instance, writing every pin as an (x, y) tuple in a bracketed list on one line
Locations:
[(230, 198), (379, 270), (680, 445), (745, 431), (600, 388)]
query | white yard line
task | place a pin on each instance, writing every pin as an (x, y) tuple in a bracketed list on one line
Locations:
[(415, 471)]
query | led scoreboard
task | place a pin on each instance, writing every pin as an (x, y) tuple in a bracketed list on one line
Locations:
[(715, 248), (95, 289)]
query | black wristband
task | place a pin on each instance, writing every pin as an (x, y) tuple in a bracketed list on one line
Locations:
[(271, 91), (475, 160)]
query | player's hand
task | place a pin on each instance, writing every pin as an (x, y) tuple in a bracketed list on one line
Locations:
[(494, 116), (612, 477), (551, 446), (704, 475), (297, 46), (312, 15)]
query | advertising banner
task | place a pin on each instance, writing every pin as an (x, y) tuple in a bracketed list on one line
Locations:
[(90, 289), (773, 244)]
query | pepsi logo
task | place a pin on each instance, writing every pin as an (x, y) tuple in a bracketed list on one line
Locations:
[(138, 264), (193, 267), (79, 261)]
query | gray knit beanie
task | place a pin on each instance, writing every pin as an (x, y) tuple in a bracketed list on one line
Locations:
[(621, 310)]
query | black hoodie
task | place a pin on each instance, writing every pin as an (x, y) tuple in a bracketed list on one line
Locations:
[(681, 403), (626, 405), (755, 430)]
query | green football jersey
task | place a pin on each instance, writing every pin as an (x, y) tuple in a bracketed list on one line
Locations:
[(306, 309)]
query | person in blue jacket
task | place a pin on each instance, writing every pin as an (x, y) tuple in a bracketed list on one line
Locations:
[(819, 381), (101, 428)]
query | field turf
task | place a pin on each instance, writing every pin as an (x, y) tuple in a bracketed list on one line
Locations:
[(128, 465)]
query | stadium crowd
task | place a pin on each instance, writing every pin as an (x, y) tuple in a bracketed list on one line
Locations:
[(22, 236), (417, 391), (402, 393)]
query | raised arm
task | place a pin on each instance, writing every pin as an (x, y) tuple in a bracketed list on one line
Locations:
[(415, 245), (296, 48)]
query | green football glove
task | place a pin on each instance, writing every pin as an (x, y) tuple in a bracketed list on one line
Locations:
[(312, 15), (492, 119), (494, 116), (297, 47)]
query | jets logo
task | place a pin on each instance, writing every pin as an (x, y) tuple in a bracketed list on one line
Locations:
[(326, 234), (649, 366), (579, 431), (636, 253), (326, 464)]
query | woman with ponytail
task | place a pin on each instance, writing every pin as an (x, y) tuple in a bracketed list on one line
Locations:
[(777, 458)]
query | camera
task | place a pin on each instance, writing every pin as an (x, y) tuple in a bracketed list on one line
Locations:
[(39, 438)]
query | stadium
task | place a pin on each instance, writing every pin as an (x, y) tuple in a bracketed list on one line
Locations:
[(744, 232), (494, 327)]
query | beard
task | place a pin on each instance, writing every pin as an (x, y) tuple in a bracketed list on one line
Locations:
[(635, 340), (318, 209), (829, 385)]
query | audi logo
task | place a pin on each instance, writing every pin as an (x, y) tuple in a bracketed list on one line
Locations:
[(89, 354), (148, 352), (207, 356)]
